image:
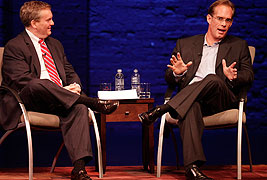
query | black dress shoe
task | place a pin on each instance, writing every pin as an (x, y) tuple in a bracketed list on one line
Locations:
[(195, 174), (105, 106), (81, 175), (151, 116)]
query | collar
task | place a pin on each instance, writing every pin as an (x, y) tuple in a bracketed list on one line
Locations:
[(32, 36), (206, 43)]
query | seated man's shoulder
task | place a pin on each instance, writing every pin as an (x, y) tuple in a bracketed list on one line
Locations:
[(235, 39), (16, 40), (16, 44)]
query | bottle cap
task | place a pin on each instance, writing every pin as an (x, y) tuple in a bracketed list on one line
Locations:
[(119, 70), (135, 70)]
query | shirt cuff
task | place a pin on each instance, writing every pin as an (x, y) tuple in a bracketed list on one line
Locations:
[(179, 75)]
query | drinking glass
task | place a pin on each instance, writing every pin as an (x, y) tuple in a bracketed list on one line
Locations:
[(105, 86), (144, 90)]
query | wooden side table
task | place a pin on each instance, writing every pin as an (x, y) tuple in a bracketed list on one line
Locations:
[(128, 111)]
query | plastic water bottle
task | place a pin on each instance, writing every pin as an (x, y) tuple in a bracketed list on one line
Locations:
[(119, 80), (135, 81)]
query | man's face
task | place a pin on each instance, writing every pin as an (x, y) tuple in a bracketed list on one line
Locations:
[(220, 22), (43, 25)]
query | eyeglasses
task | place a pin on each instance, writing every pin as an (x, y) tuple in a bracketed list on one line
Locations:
[(221, 19)]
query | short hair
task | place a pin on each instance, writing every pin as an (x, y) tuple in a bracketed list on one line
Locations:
[(31, 11), (221, 2)]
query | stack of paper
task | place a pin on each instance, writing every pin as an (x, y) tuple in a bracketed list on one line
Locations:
[(117, 95)]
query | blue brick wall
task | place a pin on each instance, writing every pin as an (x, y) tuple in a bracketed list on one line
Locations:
[(101, 36)]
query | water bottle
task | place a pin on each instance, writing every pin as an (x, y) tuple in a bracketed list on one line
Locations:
[(135, 81), (119, 80)]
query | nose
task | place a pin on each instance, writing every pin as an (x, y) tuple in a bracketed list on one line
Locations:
[(52, 22), (223, 23)]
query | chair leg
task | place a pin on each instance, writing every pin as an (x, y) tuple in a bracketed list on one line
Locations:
[(56, 157), (248, 144), (99, 149), (161, 131), (175, 146), (29, 137), (239, 138)]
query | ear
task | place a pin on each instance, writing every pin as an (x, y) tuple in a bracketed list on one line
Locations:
[(209, 17), (33, 23)]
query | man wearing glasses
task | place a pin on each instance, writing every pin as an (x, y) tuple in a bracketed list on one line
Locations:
[(209, 70)]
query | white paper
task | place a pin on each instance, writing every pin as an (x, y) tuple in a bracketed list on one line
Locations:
[(117, 95)]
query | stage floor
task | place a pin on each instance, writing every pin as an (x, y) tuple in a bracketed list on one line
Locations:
[(135, 172)]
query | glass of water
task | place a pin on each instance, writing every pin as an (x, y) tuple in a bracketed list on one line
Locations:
[(144, 90), (105, 86)]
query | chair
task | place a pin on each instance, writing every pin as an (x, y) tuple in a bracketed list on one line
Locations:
[(46, 122), (226, 119)]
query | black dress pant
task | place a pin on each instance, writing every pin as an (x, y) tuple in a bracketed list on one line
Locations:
[(44, 96), (206, 97)]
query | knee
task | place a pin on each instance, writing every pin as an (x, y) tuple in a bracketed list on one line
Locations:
[(214, 80), (212, 77)]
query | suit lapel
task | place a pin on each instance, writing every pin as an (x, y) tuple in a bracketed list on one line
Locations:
[(222, 52), (197, 53), (35, 63), (197, 48)]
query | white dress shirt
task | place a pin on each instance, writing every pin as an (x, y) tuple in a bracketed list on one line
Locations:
[(35, 41), (208, 61)]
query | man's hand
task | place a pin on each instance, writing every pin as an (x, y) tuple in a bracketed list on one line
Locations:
[(74, 87), (178, 66), (230, 72)]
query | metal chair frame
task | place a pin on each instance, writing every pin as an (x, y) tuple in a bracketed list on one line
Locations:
[(28, 127), (239, 126)]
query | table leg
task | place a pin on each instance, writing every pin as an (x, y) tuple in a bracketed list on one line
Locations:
[(151, 148), (103, 140), (148, 147), (145, 146), (151, 143)]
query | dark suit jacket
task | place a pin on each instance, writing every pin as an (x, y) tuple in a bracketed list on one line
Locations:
[(231, 48), (21, 65)]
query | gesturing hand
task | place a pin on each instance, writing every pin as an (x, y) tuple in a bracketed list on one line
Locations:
[(230, 72), (178, 66)]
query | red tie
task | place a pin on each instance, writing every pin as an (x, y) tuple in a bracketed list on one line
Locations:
[(49, 63)]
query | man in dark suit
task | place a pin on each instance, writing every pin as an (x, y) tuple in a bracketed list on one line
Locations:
[(35, 65), (209, 70)]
